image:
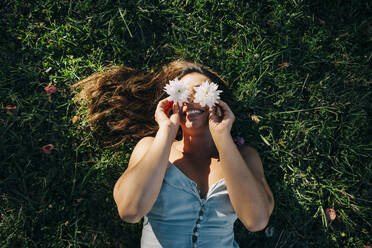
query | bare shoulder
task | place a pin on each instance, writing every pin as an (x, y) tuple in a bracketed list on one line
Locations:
[(140, 150)]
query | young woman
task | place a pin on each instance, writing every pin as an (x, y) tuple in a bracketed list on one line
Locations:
[(189, 191)]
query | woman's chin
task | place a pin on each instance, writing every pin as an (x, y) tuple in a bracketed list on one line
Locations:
[(195, 124), (191, 124)]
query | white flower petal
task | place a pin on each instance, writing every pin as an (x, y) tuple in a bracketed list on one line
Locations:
[(177, 91), (207, 94)]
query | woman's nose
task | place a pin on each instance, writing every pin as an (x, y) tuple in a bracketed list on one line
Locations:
[(191, 96)]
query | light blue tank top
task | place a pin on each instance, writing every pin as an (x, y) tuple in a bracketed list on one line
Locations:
[(179, 218)]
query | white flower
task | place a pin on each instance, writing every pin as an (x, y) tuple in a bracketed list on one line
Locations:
[(177, 91), (207, 94)]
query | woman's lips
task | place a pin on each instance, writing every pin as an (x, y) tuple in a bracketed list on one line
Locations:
[(193, 113)]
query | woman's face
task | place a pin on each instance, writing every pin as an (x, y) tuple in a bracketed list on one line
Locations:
[(192, 115)]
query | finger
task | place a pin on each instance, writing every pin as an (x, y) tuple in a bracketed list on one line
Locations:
[(227, 113), (162, 110), (175, 108), (168, 106), (165, 105), (219, 112), (223, 105), (165, 101), (213, 114), (175, 117)]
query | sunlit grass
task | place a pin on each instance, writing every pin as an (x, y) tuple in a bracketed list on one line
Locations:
[(313, 134)]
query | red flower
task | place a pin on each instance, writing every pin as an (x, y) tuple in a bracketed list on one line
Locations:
[(331, 214), (284, 64), (367, 246), (11, 109), (47, 149), (50, 89), (168, 106)]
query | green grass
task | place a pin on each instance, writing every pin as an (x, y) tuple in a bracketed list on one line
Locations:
[(314, 136)]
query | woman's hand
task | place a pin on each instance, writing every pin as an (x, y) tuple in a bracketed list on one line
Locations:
[(163, 117), (221, 119)]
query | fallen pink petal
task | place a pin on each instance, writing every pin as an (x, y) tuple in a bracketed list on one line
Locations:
[(239, 140), (10, 109), (47, 149), (49, 89), (284, 64), (331, 214)]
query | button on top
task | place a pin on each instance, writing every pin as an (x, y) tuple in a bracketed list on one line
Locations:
[(198, 225), (201, 218), (194, 238)]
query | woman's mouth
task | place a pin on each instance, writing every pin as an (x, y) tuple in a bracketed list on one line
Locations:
[(193, 113)]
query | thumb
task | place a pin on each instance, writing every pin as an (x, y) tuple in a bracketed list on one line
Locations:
[(175, 116), (212, 114)]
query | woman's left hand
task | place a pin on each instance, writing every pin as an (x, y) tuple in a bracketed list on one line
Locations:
[(221, 119)]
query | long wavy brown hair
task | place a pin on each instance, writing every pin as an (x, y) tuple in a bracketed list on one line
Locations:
[(122, 101)]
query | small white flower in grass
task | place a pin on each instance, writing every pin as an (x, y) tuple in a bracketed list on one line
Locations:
[(207, 94), (177, 91)]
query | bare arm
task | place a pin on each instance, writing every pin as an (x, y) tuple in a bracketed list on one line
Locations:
[(254, 163), (138, 188), (249, 193)]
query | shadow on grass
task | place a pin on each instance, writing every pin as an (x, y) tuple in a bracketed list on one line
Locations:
[(290, 224)]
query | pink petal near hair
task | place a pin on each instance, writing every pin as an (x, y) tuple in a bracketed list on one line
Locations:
[(49, 89), (331, 214), (47, 149), (10, 109)]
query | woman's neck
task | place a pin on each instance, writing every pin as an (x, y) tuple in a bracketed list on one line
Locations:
[(199, 146)]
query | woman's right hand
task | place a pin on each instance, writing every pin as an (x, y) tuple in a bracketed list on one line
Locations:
[(163, 118)]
